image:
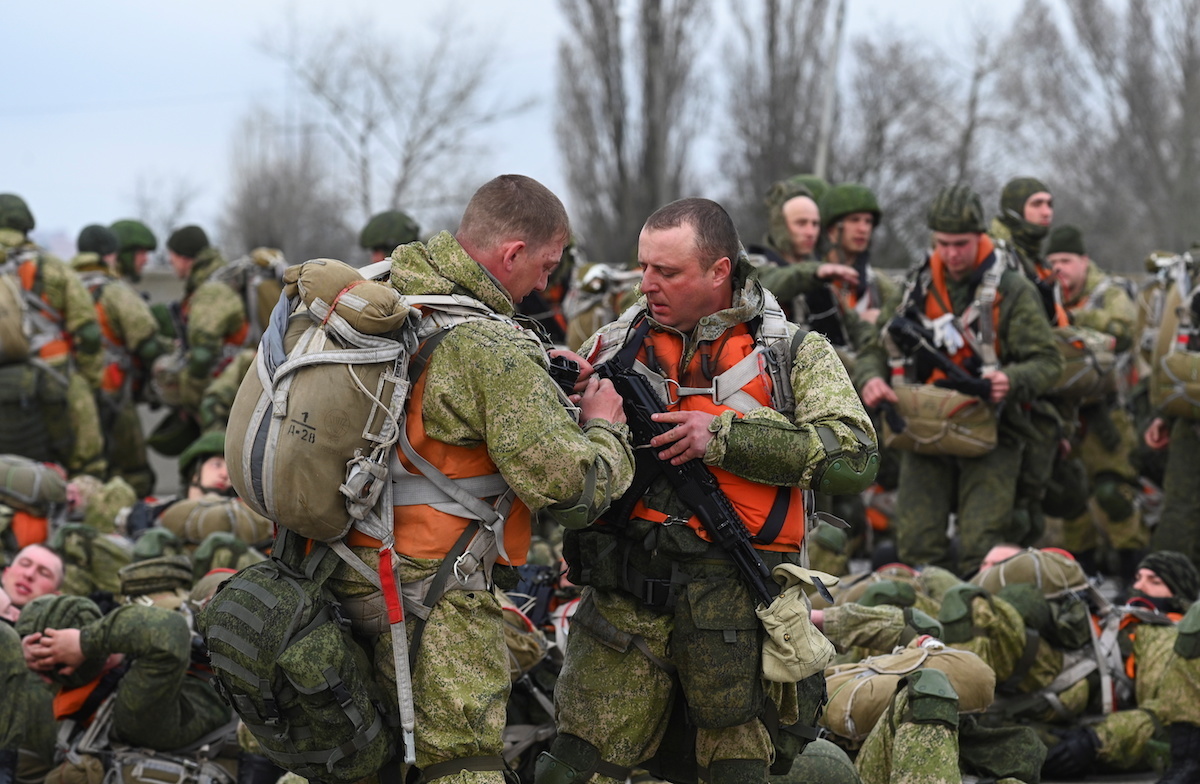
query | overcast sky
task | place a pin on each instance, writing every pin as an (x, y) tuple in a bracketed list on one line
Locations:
[(100, 95)]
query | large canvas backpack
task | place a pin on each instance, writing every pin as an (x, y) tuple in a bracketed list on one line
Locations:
[(1175, 359)]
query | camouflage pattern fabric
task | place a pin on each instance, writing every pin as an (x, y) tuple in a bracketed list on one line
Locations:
[(26, 716), (156, 706), (899, 751), (821, 762), (219, 396), (87, 453), (1176, 529)]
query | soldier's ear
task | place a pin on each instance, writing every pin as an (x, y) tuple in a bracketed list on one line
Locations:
[(721, 271)]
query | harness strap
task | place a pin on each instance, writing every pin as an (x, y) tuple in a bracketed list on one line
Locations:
[(1021, 669), (440, 770)]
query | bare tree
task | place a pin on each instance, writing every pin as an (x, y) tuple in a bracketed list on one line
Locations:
[(626, 120), (774, 62), (284, 196), (406, 116), (1117, 120)]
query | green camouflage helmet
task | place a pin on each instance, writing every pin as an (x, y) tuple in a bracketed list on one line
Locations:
[(387, 230), (15, 214), (97, 239), (63, 612), (132, 236), (821, 762), (845, 199), (956, 210), (208, 445)]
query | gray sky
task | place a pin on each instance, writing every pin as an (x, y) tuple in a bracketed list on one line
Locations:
[(101, 95)]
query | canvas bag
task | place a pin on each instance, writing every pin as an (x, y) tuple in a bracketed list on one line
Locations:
[(942, 421), (1089, 364), (194, 519), (1175, 364)]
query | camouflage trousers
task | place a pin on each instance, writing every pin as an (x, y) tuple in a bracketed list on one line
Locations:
[(26, 714), (125, 448), (902, 751), (1177, 528), (1124, 532), (612, 694), (87, 454), (980, 490), (460, 679)]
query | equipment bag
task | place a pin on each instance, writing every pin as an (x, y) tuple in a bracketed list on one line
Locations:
[(1089, 364), (939, 421), (192, 520), (14, 326), (34, 420), (859, 693), (1175, 361), (284, 658), (31, 486)]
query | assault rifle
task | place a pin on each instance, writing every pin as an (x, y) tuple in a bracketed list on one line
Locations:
[(912, 338), (693, 482)]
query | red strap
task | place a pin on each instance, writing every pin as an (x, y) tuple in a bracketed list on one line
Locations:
[(387, 580), (333, 304)]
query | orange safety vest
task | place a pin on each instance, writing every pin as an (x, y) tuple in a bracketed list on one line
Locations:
[(937, 304), (1061, 319), (29, 272), (69, 701), (425, 532), (774, 515), (29, 528), (1130, 661)]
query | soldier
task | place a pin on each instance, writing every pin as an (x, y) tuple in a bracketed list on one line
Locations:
[(215, 322), (1165, 587), (385, 231), (35, 571), (849, 216), (131, 344), (135, 242), (67, 341), (485, 407), (1105, 437), (666, 614), (66, 639), (985, 321), (202, 467), (1026, 212)]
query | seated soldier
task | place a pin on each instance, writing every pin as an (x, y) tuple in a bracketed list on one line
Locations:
[(35, 571)]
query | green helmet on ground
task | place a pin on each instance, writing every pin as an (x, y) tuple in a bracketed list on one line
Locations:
[(956, 210), (387, 230), (97, 239), (845, 199), (821, 762), (211, 444), (15, 214), (62, 612), (132, 236)]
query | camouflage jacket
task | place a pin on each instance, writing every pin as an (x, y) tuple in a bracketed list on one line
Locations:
[(64, 292), (156, 705), (487, 383), (216, 313), (126, 314), (767, 446), (1027, 351), (1102, 304)]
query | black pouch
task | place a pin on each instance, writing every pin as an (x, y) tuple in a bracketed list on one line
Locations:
[(716, 645), (595, 557)]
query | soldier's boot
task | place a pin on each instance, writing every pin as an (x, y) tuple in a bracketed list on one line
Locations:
[(1185, 755), (8, 766), (257, 769), (570, 760), (737, 771)]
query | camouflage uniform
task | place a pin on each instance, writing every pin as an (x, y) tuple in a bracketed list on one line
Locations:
[(486, 383), (26, 715), (628, 661), (215, 316), (1176, 527), (1107, 438), (63, 292), (131, 344), (218, 398), (981, 490)]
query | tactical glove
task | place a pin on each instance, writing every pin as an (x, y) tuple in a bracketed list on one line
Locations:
[(1074, 754)]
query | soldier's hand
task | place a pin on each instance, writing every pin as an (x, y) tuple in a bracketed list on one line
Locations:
[(687, 440), (839, 272), (55, 649), (878, 391), (599, 400), (1000, 385), (1158, 435), (585, 367)]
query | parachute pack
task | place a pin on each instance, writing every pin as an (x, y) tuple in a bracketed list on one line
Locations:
[(1175, 356), (26, 322), (257, 277), (312, 445)]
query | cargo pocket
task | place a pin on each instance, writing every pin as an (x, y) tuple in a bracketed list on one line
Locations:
[(716, 645)]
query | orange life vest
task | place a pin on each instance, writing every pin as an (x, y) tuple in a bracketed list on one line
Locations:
[(29, 528), (425, 532), (774, 515), (937, 304), (58, 348)]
